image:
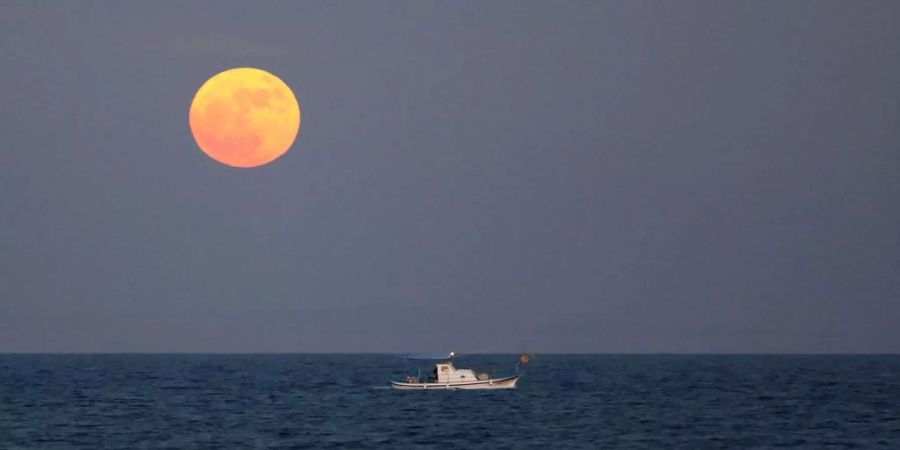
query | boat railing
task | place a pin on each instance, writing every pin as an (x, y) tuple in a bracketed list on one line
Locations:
[(504, 374), (414, 376)]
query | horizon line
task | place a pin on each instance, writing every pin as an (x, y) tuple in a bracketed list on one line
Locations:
[(458, 354)]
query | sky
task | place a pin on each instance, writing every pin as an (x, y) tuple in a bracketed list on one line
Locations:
[(630, 176)]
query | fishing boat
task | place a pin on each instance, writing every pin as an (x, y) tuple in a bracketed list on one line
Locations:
[(446, 376)]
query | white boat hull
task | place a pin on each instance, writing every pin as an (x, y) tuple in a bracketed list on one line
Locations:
[(493, 383)]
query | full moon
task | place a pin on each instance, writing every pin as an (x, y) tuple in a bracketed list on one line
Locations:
[(244, 117)]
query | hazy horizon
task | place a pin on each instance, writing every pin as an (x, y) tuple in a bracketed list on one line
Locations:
[(464, 355)]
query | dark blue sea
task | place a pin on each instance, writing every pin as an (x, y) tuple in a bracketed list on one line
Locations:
[(342, 401)]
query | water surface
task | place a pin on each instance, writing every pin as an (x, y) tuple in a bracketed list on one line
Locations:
[(342, 401)]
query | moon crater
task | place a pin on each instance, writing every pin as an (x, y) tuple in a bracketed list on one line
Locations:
[(244, 117)]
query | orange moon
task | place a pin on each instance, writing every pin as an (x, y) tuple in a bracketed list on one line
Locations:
[(244, 117)]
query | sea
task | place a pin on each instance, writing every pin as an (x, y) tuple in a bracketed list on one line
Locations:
[(299, 401)]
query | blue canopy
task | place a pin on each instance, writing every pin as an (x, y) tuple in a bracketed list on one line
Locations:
[(428, 356)]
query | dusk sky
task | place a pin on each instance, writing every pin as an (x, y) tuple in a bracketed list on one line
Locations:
[(690, 176)]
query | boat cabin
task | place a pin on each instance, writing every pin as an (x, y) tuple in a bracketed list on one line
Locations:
[(446, 373)]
